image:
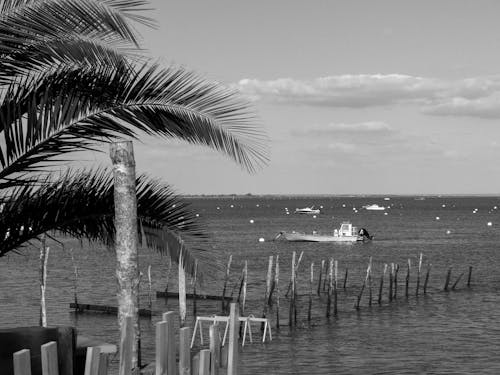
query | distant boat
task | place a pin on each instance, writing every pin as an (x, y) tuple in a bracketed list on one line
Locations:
[(307, 210), (374, 207), (346, 233)]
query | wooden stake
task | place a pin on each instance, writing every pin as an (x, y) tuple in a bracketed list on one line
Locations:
[(330, 287), (418, 274), (469, 277), (49, 358), (75, 280), (194, 286), (126, 239), (311, 280), (456, 282), (214, 349), (427, 278), (150, 289), (368, 270), (391, 281), (447, 282), (407, 278), (291, 314), (185, 351), (182, 291), (226, 279), (335, 288), (321, 275), (232, 360), (370, 293), (345, 278), (276, 283), (267, 294), (396, 281), (245, 280), (381, 285)]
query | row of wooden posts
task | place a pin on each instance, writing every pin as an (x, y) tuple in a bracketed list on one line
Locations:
[(328, 282)]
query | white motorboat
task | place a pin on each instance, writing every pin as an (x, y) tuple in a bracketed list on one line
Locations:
[(346, 233), (374, 207), (307, 211)]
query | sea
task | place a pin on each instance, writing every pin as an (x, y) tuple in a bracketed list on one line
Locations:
[(442, 332)]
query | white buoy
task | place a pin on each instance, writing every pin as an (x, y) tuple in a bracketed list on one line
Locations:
[(251, 221), (343, 205), (495, 208), (437, 218), (320, 206), (232, 206), (443, 205), (490, 223), (261, 239), (257, 205), (197, 215), (448, 231), (385, 213), (314, 216), (218, 208)]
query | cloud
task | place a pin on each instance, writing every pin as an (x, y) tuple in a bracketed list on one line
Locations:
[(476, 96), (341, 129)]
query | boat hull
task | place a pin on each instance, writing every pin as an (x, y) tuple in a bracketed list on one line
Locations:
[(302, 237)]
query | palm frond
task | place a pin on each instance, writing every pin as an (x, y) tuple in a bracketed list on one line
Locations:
[(81, 205), (72, 110)]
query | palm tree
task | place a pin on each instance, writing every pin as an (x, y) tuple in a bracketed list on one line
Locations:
[(72, 77)]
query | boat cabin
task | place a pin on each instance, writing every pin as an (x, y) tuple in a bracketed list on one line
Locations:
[(346, 229)]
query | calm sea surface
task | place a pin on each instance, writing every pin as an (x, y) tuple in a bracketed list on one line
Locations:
[(455, 332)]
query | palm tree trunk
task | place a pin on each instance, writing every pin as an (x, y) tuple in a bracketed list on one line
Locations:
[(122, 156)]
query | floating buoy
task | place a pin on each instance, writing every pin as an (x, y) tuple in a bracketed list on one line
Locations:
[(343, 205), (385, 213), (218, 208), (251, 221), (257, 205), (314, 216), (261, 239), (490, 223), (173, 206), (437, 217), (443, 205), (320, 206), (448, 231), (495, 208), (197, 215), (232, 206)]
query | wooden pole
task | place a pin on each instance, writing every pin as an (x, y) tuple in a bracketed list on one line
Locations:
[(370, 292), (126, 346), (194, 286), (368, 271), (184, 351), (447, 282), (345, 278), (381, 285), (232, 360), (469, 277), (267, 294), (214, 349), (330, 287), (276, 283), (22, 362), (226, 279), (456, 282), (391, 281), (92, 359), (418, 274), (396, 281), (311, 280), (182, 289), (150, 289), (49, 358), (161, 348), (168, 318), (427, 277), (291, 313), (44, 257), (126, 240), (320, 275), (335, 275), (245, 280), (75, 280), (407, 278), (204, 368)]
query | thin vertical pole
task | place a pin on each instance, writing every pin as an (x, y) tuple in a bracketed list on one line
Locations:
[(182, 289), (226, 279), (150, 289), (330, 287), (391, 281), (418, 273), (44, 256), (427, 277), (184, 351), (320, 276), (345, 277), (407, 277), (126, 240), (447, 282), (232, 360), (245, 281), (381, 285), (194, 286), (469, 277), (214, 349), (370, 291), (335, 275), (396, 281), (291, 313), (276, 283), (311, 280)]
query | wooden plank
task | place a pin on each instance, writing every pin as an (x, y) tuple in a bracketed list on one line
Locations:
[(66, 347), (103, 364), (232, 360), (161, 348), (192, 296), (168, 318), (92, 361), (49, 358), (85, 307), (22, 362), (185, 351), (204, 365)]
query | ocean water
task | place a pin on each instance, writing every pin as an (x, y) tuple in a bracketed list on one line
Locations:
[(454, 332)]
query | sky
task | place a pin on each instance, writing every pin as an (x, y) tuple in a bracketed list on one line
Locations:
[(356, 97)]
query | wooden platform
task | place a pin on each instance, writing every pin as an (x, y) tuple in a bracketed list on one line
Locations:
[(192, 296), (83, 307)]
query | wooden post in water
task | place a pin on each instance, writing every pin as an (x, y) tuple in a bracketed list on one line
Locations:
[(381, 285), (370, 292), (291, 314), (232, 355), (226, 279), (447, 282), (150, 289), (368, 270), (456, 282), (418, 274), (277, 287), (194, 286), (330, 287), (161, 348), (407, 277), (245, 281), (427, 278), (391, 281), (396, 281), (44, 257), (335, 288), (168, 317), (182, 289), (126, 240), (311, 280), (75, 280), (469, 277), (214, 349), (321, 275), (267, 294), (345, 278)]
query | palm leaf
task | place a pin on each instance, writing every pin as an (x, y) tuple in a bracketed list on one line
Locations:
[(72, 110), (81, 205)]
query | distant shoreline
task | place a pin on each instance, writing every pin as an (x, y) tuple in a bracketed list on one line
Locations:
[(248, 195)]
